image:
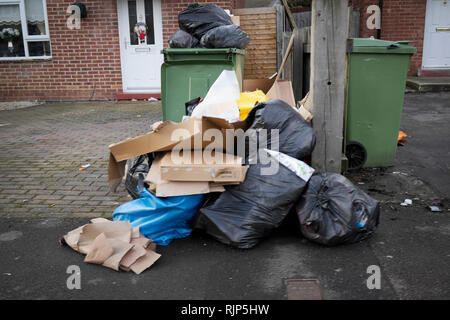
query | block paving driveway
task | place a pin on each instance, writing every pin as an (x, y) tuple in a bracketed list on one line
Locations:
[(43, 148)]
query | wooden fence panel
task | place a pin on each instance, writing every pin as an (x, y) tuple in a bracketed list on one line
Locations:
[(261, 26)]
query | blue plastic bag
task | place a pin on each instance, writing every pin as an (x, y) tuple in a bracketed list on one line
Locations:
[(160, 219)]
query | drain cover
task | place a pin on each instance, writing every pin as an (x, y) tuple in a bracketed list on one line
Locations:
[(303, 289)]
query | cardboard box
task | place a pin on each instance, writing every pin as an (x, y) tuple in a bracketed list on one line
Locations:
[(165, 137), (164, 188), (218, 168), (281, 89)]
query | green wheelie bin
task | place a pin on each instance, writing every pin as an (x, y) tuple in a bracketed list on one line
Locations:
[(376, 81), (187, 74)]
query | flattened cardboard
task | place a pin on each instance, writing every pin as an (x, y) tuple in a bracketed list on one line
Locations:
[(119, 230), (185, 188), (145, 261), (100, 250), (219, 168), (164, 188), (305, 113), (72, 238), (306, 102), (116, 172), (304, 107), (216, 187), (121, 248), (107, 243), (141, 241), (134, 254), (190, 135), (154, 141)]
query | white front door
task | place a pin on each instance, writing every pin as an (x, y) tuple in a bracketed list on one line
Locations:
[(140, 57), (436, 45)]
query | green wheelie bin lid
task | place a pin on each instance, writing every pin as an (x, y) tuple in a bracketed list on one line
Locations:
[(367, 45), (176, 54)]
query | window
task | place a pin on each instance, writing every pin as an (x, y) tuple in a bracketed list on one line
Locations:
[(24, 30), (132, 16), (136, 10), (149, 21)]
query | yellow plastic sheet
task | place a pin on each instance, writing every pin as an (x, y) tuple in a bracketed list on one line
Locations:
[(248, 100)]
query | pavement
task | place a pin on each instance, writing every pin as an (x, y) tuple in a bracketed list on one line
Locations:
[(44, 195)]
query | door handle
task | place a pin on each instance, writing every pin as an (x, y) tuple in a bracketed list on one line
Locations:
[(443, 29)]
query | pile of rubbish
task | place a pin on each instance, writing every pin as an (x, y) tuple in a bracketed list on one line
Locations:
[(234, 167), (242, 188), (207, 26)]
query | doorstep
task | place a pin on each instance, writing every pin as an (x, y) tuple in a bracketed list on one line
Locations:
[(429, 84), (137, 96)]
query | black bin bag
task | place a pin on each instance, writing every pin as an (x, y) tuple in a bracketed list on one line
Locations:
[(230, 36), (140, 164), (333, 211), (199, 20), (243, 214), (295, 135), (182, 39)]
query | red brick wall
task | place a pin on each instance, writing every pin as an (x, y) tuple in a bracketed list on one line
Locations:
[(85, 63), (362, 6), (170, 9), (401, 20), (405, 20)]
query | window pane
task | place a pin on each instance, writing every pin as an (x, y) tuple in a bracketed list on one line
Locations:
[(39, 48), (132, 16), (35, 17), (149, 21), (11, 40)]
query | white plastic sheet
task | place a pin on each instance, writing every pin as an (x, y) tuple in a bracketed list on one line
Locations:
[(221, 99)]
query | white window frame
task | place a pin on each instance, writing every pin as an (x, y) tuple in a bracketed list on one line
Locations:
[(29, 38)]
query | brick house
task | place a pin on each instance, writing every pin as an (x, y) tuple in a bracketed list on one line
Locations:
[(100, 60), (103, 60), (425, 22)]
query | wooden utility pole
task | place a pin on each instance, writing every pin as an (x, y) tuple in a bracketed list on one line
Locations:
[(328, 81)]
